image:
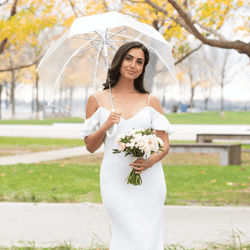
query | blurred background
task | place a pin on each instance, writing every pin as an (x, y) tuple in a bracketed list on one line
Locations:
[(211, 53)]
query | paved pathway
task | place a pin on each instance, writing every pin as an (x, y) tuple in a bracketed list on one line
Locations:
[(47, 155), (48, 223)]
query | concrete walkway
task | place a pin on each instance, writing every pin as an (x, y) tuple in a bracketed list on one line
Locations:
[(47, 155), (52, 224)]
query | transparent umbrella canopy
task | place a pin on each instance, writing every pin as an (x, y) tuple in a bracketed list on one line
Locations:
[(76, 64)]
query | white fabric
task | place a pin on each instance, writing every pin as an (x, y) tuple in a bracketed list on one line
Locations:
[(136, 212)]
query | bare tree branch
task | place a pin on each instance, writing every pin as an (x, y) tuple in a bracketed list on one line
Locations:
[(188, 54), (21, 67), (73, 8), (188, 24), (1, 4), (5, 40)]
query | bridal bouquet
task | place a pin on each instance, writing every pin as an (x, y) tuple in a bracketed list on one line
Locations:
[(138, 143)]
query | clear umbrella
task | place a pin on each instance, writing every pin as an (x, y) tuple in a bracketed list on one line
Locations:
[(76, 64)]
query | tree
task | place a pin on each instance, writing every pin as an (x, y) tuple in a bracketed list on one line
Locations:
[(194, 73), (203, 20), (221, 68)]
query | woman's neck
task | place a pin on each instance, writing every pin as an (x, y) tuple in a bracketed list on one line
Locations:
[(125, 86)]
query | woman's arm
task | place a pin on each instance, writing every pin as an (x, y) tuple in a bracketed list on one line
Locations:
[(95, 140), (154, 158)]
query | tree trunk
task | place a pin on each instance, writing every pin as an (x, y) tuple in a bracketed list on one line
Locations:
[(33, 100), (206, 102), (221, 102), (12, 94), (191, 103), (37, 100), (7, 96)]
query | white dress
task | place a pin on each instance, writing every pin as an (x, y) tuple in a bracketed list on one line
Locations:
[(136, 212)]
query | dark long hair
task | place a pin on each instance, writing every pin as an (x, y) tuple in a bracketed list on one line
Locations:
[(114, 70)]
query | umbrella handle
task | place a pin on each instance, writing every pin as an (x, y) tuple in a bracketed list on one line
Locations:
[(114, 129)]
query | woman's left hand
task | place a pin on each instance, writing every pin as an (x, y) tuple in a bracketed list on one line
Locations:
[(141, 165)]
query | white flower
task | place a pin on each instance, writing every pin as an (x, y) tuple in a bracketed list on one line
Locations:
[(137, 137), (131, 143), (132, 132), (139, 129), (152, 143), (160, 141), (122, 146), (142, 142), (119, 137)]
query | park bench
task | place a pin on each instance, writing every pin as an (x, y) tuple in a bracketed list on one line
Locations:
[(203, 138), (229, 154)]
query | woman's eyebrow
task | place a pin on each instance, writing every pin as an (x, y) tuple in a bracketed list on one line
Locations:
[(137, 58)]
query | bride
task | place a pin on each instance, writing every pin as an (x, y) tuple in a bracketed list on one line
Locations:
[(136, 212)]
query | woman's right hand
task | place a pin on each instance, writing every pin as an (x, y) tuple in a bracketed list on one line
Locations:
[(112, 119)]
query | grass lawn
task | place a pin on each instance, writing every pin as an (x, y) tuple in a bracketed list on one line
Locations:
[(77, 180), (231, 242), (209, 117), (23, 145)]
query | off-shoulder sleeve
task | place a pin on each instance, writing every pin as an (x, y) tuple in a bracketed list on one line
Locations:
[(90, 125), (160, 122)]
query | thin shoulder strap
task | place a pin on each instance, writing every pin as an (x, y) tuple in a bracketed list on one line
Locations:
[(97, 99), (148, 99)]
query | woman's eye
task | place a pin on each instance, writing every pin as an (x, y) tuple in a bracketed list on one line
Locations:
[(128, 58), (140, 62)]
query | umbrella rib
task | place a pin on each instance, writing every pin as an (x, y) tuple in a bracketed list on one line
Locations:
[(117, 32), (89, 47), (122, 41), (111, 46), (97, 40), (130, 37), (99, 35)]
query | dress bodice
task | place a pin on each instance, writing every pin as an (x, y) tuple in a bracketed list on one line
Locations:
[(147, 117)]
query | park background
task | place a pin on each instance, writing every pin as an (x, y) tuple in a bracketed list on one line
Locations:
[(211, 49)]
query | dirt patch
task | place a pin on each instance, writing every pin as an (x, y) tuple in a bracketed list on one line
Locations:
[(245, 190)]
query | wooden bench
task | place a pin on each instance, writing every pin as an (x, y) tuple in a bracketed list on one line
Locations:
[(229, 154), (209, 137)]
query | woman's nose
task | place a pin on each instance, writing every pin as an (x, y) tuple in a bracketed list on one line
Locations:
[(132, 64)]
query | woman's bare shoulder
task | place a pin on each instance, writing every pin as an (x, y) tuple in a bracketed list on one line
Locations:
[(154, 103)]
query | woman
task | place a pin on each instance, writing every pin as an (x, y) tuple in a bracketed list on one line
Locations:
[(136, 212)]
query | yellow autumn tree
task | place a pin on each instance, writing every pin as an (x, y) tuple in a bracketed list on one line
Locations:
[(178, 19)]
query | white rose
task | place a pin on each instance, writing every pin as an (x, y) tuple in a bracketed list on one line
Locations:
[(137, 137), (142, 142), (147, 150), (131, 143), (122, 146), (152, 143)]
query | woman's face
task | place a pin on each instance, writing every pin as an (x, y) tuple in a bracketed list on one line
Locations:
[(132, 64)]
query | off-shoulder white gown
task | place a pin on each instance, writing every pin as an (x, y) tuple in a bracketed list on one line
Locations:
[(136, 212)]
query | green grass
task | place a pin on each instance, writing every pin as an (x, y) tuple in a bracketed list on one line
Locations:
[(23, 141), (64, 182), (50, 183), (47, 121), (235, 240), (210, 118), (183, 118)]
